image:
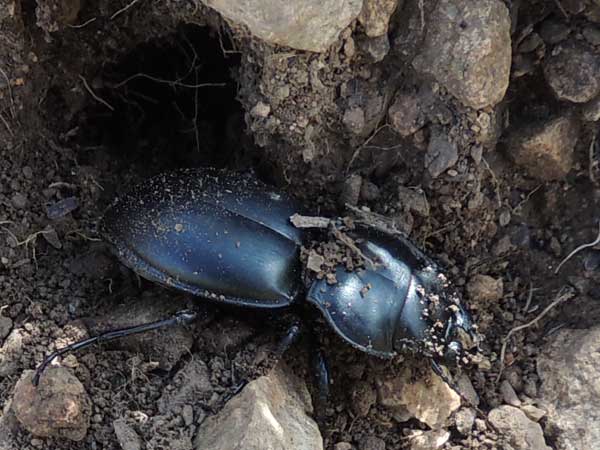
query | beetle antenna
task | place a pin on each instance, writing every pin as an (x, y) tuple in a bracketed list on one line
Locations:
[(179, 318)]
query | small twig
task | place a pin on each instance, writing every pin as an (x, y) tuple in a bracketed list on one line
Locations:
[(10, 93), (529, 297), (578, 249), (561, 296), (527, 197), (562, 9), (7, 125), (93, 94), (344, 239), (84, 24), (495, 180), (422, 11), (591, 158), (170, 82), (364, 145), (122, 10)]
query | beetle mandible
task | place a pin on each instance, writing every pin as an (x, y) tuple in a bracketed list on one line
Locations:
[(228, 238)]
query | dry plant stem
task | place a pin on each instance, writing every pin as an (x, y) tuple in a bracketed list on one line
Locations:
[(122, 10), (578, 249), (562, 9), (170, 82), (10, 93), (495, 180), (350, 244), (84, 24), (7, 125), (591, 158), (562, 296), (93, 94), (364, 145)]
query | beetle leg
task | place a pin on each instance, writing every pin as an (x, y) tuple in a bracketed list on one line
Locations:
[(322, 376), (179, 318), (291, 337)]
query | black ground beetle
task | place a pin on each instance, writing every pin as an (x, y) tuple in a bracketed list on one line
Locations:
[(228, 238)]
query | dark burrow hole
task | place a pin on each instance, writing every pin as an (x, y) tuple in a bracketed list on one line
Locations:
[(174, 102)]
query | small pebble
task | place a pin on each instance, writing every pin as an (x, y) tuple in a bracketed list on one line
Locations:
[(19, 201), (508, 394)]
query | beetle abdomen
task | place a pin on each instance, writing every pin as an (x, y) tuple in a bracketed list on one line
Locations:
[(211, 234)]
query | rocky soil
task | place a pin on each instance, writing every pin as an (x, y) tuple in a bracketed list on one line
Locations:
[(472, 126)]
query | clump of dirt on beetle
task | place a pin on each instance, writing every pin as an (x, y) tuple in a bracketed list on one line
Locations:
[(321, 256)]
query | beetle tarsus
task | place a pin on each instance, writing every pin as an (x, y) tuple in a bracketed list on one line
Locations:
[(322, 377), (179, 318), (291, 337)]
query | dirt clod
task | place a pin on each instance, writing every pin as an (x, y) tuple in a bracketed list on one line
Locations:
[(59, 406), (484, 288), (546, 150)]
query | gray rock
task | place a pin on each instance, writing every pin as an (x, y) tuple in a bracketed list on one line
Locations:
[(375, 16), (312, 25), (362, 397), (591, 34), (483, 288), (465, 386), (428, 440), (405, 114), (570, 387), (468, 50), (351, 190), (261, 110), (10, 352), (126, 435), (189, 385), (413, 200), (19, 201), (464, 419), (9, 427), (546, 150), (508, 394), (427, 399), (271, 413), (521, 432), (59, 406), (5, 327), (553, 31), (590, 112), (354, 120), (375, 48), (342, 446), (441, 154), (371, 443), (533, 412), (573, 72)]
